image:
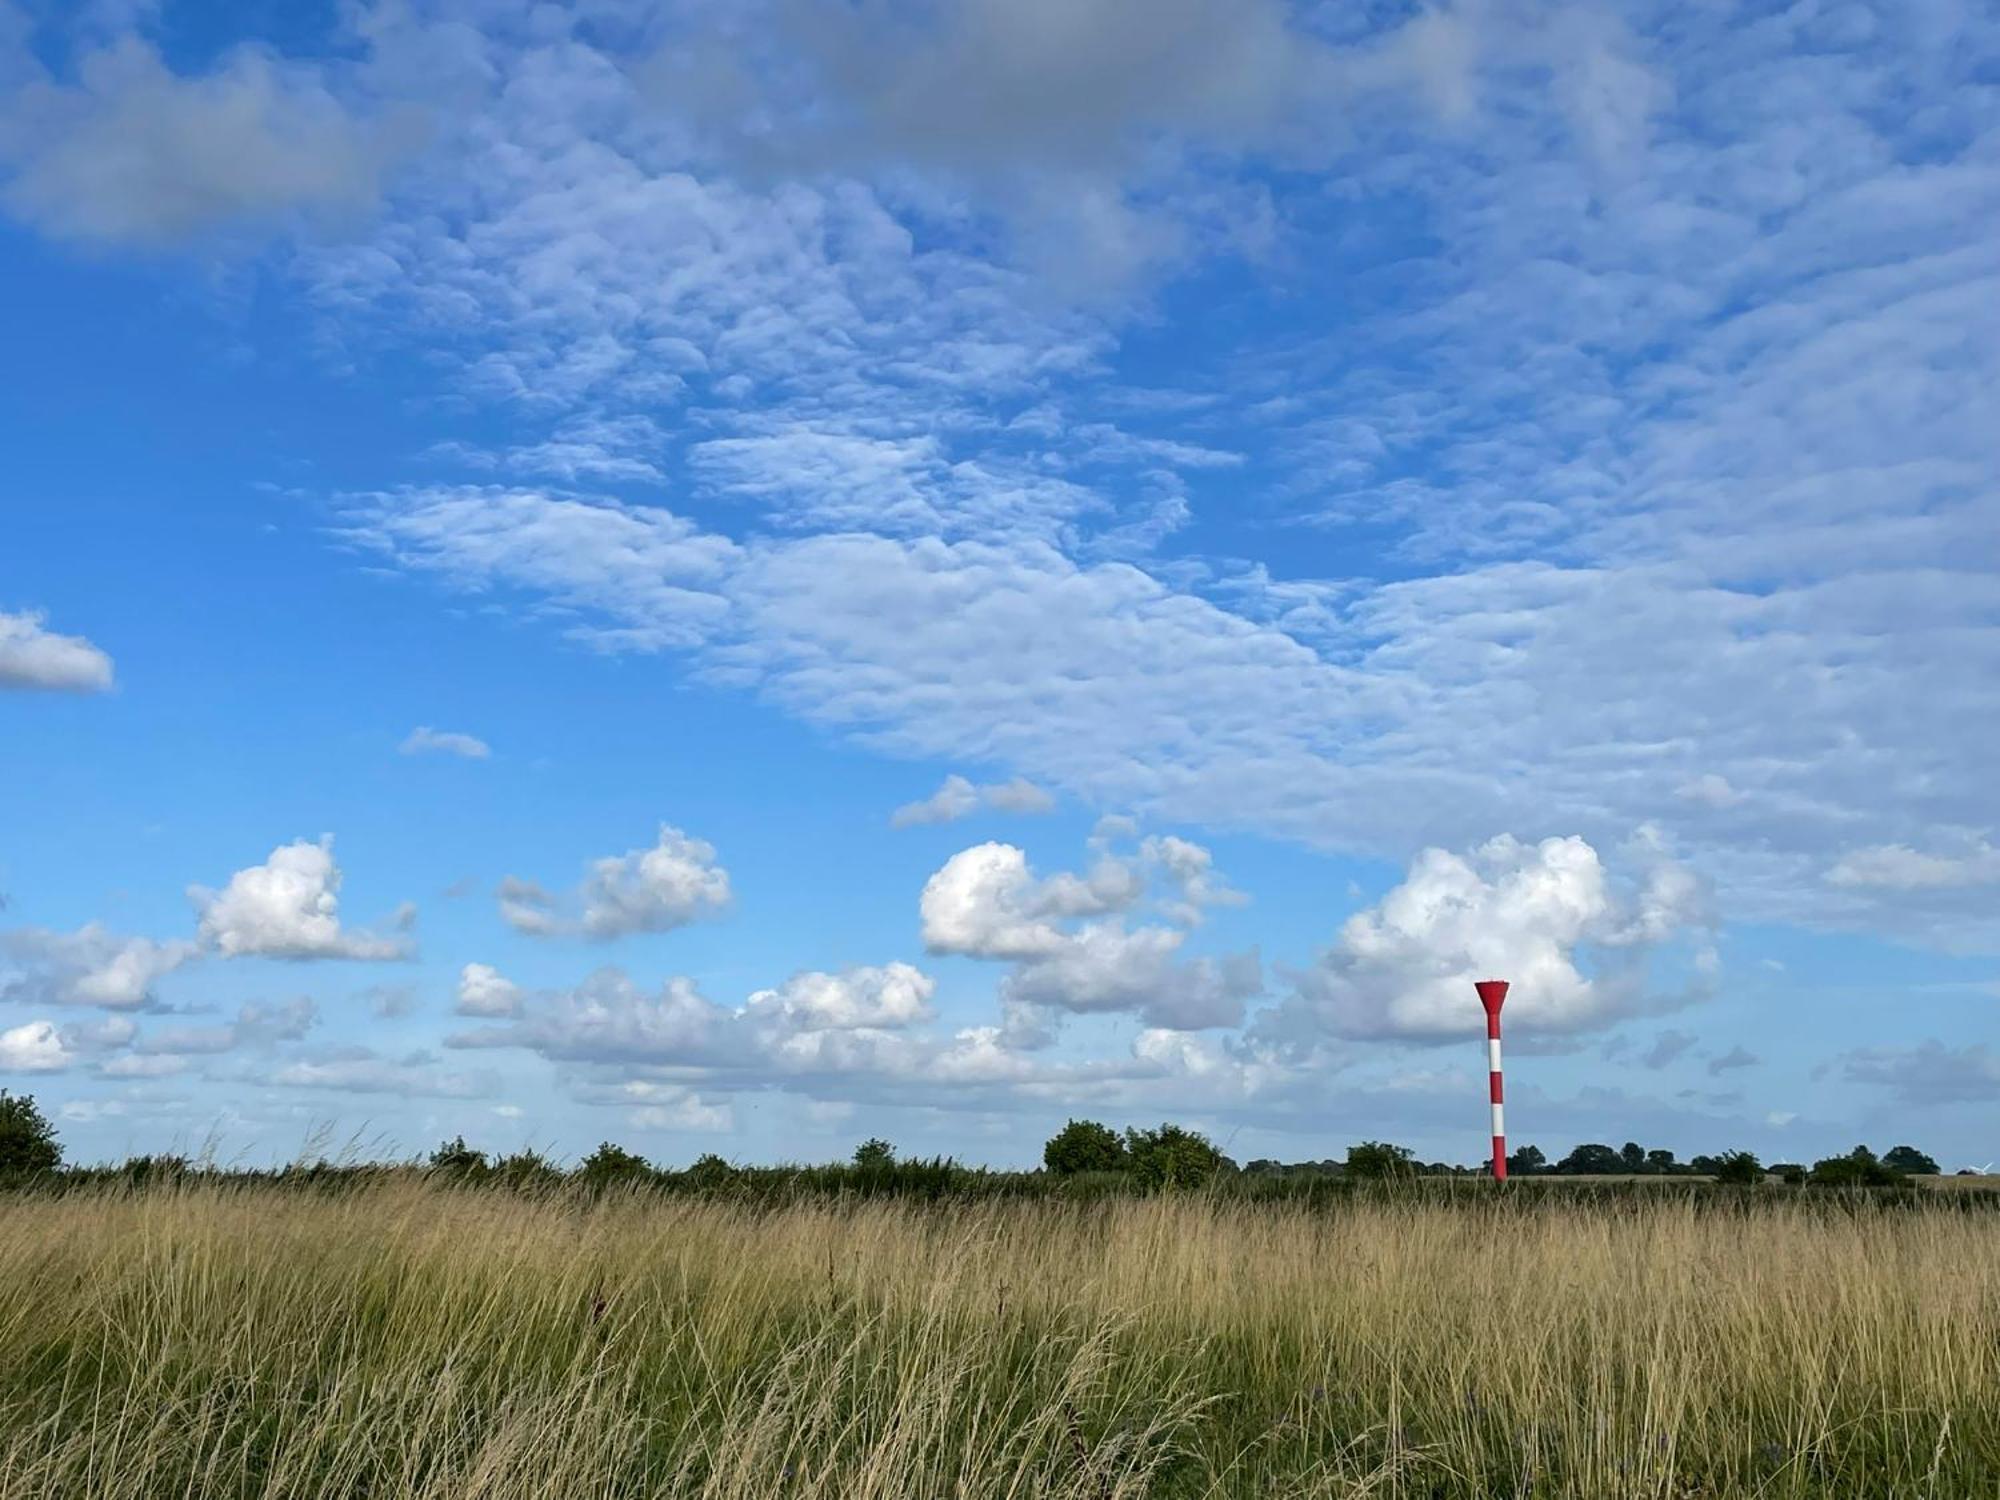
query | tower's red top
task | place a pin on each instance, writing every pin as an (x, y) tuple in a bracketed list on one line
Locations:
[(1492, 994)]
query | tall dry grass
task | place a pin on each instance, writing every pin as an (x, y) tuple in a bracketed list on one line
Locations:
[(422, 1343)]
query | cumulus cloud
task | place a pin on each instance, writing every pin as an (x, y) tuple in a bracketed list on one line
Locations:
[(894, 995), (91, 966), (31, 656), (423, 739), (133, 153), (673, 883), (1528, 913), (957, 798), (288, 907), (363, 1070), (36, 1047), (484, 991), (985, 902)]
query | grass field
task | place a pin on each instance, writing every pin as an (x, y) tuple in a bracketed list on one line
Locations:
[(413, 1341)]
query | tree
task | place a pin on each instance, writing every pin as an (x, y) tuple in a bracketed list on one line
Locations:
[(1634, 1156), (1858, 1168), (1739, 1167), (1909, 1160), (1174, 1157), (526, 1168), (456, 1159), (1379, 1161), (710, 1171), (612, 1166), (1526, 1162), (875, 1153), (1085, 1146), (27, 1139), (1592, 1160), (1661, 1162)]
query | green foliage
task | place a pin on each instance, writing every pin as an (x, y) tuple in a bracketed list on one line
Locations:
[(1740, 1168), (526, 1170), (1173, 1157), (1859, 1168), (1378, 1161), (1085, 1146), (142, 1171), (1526, 1162), (708, 1172), (613, 1166), (456, 1159), (28, 1142), (1791, 1172), (1592, 1160), (874, 1153), (1910, 1161)]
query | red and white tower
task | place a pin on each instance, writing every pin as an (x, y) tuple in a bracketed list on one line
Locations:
[(1493, 995)]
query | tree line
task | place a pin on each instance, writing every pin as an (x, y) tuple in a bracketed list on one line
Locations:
[(1082, 1152)]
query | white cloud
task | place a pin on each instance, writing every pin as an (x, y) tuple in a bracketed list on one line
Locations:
[(1527, 913), (287, 907), (484, 991), (36, 1047), (675, 882), (957, 798), (985, 902), (91, 966), (424, 739), (1901, 868), (134, 153), (363, 1070), (894, 995), (33, 657)]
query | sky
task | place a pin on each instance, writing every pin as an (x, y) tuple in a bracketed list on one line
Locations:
[(742, 576)]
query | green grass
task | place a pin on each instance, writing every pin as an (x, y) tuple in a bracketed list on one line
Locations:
[(398, 1339)]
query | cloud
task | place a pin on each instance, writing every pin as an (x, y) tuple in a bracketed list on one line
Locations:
[(675, 882), (484, 991), (957, 798), (1527, 913), (133, 153), (985, 902), (91, 966), (257, 1025), (1735, 1057), (424, 739), (1900, 868), (895, 995), (287, 907), (1930, 1073), (36, 1047), (32, 657), (1667, 1046), (363, 1070)]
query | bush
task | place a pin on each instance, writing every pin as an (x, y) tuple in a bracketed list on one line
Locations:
[(1378, 1161), (874, 1152), (1085, 1146), (456, 1159), (1174, 1157), (1858, 1168), (28, 1142), (1910, 1161), (526, 1169), (613, 1166), (1739, 1167), (709, 1171)]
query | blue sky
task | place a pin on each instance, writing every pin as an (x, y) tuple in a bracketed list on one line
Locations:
[(738, 577)]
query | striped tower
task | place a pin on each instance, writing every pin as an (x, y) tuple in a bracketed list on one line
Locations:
[(1493, 995)]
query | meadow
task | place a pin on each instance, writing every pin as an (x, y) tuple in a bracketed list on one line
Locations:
[(410, 1339)]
